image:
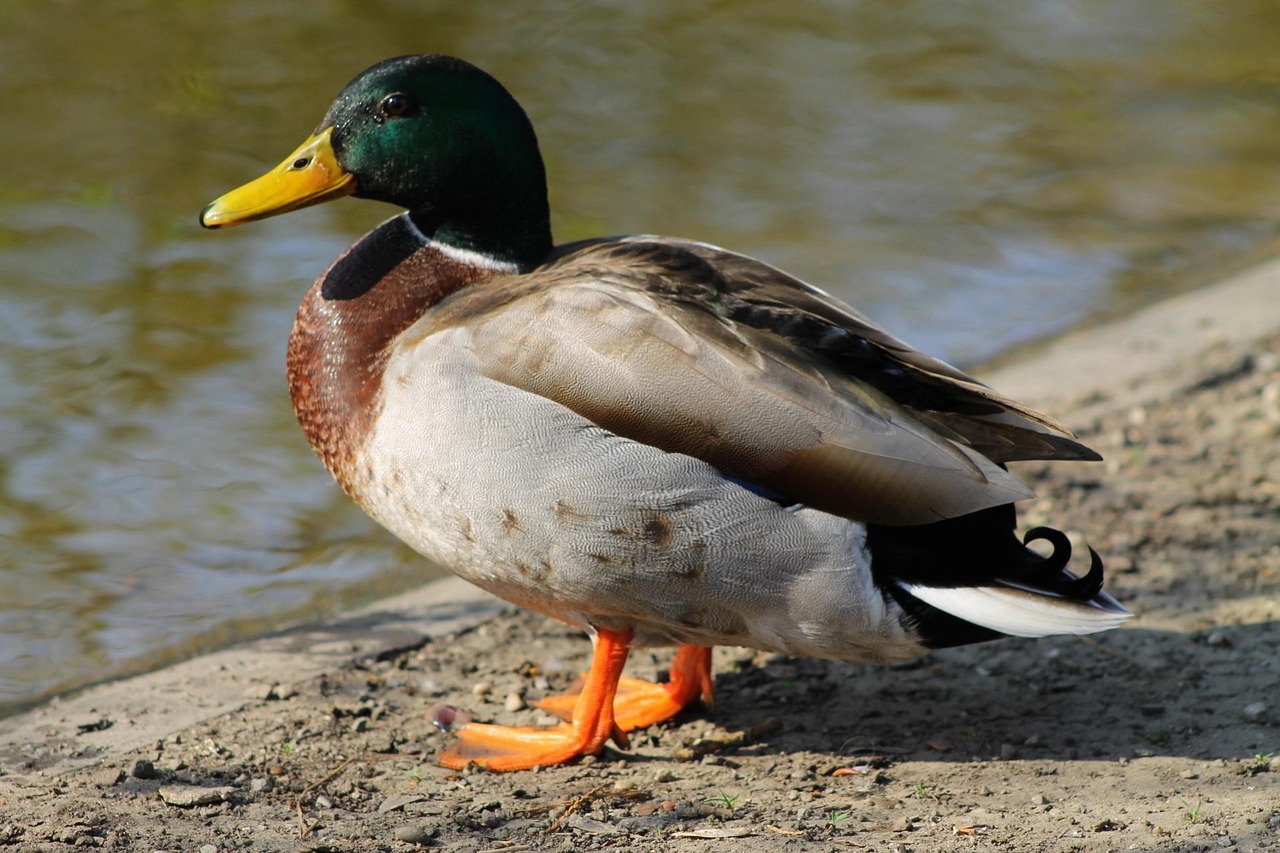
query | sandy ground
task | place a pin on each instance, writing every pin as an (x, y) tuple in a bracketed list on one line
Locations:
[(1162, 736)]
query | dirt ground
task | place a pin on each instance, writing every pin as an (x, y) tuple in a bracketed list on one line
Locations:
[(1161, 736)]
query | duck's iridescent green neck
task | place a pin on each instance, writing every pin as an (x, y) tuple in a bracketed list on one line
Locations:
[(445, 140)]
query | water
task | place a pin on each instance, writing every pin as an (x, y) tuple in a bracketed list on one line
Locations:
[(971, 175)]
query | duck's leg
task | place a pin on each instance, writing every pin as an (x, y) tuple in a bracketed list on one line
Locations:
[(638, 704), (590, 725)]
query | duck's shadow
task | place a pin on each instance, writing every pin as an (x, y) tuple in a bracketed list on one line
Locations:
[(1130, 693)]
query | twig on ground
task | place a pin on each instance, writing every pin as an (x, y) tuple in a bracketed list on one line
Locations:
[(574, 806), (304, 829)]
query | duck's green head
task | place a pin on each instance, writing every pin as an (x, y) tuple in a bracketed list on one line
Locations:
[(432, 134)]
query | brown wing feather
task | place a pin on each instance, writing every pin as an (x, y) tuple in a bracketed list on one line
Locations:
[(749, 292)]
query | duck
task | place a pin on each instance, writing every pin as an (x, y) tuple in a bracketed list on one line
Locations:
[(659, 441)]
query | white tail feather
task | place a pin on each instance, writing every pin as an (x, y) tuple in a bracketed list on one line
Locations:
[(1020, 613)]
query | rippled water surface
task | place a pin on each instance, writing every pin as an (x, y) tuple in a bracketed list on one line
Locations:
[(972, 175)]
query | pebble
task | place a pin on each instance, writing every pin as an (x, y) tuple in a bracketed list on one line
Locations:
[(208, 848), (514, 702), (481, 689), (108, 777), (1255, 711), (143, 769), (398, 802), (1039, 800), (1218, 639), (591, 826), (414, 834), (187, 796), (261, 692), (261, 784)]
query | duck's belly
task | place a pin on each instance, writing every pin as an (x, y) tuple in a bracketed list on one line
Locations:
[(532, 502)]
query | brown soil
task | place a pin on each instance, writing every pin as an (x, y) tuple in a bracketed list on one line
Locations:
[(1160, 736)]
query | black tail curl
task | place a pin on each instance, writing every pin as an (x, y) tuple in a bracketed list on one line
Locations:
[(979, 549), (1050, 573)]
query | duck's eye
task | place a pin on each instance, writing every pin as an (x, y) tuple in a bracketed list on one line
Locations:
[(302, 162), (395, 105)]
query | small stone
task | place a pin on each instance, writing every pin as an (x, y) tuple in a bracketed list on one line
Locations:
[(323, 802), (1039, 800), (359, 724), (663, 776), (108, 777), (414, 834), (1032, 740), (1008, 751), (1188, 774), (261, 784), (392, 803), (591, 826), (208, 848), (143, 769), (1218, 639), (623, 786), (514, 702), (1255, 712), (189, 796), (261, 692), (481, 689)]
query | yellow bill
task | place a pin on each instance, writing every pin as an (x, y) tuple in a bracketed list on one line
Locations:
[(308, 176)]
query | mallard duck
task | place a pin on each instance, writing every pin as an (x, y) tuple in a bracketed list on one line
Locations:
[(659, 441)]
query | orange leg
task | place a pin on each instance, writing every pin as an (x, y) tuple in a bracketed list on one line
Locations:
[(590, 725), (638, 704)]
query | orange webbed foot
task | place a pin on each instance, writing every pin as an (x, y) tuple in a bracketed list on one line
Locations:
[(638, 704), (591, 722)]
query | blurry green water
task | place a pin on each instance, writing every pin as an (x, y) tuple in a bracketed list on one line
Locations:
[(972, 175)]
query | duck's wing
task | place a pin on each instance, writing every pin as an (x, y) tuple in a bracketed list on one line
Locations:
[(704, 352)]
